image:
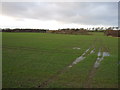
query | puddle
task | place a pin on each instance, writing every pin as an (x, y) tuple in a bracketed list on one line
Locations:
[(82, 57), (97, 63), (78, 59), (87, 50), (76, 48), (99, 54), (70, 66), (83, 54), (98, 59), (92, 51), (106, 54)]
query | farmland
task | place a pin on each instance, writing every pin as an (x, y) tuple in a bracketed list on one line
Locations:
[(41, 60)]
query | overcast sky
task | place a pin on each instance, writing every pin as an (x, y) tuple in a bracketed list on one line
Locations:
[(49, 15)]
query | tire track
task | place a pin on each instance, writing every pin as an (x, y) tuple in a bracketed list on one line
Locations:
[(82, 57), (55, 76), (103, 52)]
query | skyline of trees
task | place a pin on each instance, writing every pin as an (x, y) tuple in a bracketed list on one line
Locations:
[(91, 29)]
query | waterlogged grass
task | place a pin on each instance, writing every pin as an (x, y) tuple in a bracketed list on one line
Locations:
[(76, 76), (107, 74), (29, 59)]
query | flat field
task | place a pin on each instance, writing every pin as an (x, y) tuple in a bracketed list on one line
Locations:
[(44, 60)]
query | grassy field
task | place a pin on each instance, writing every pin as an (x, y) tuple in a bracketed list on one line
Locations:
[(33, 60)]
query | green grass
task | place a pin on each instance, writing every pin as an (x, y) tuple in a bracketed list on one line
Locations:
[(28, 59)]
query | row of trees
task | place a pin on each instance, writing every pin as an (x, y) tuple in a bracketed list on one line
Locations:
[(103, 28), (24, 30), (76, 29), (93, 29), (81, 31)]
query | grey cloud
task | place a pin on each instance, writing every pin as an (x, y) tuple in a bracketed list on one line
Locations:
[(87, 13)]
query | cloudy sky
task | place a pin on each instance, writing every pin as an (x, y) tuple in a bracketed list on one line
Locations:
[(50, 15)]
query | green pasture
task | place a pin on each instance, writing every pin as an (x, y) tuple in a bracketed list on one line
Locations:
[(29, 59)]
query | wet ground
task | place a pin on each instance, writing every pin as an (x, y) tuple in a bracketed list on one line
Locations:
[(100, 57), (82, 57), (76, 48)]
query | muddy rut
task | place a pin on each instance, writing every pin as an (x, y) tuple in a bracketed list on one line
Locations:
[(103, 51)]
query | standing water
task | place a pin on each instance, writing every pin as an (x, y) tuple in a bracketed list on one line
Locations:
[(97, 63)]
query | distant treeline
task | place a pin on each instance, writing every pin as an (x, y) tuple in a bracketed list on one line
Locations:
[(110, 31), (25, 30), (81, 31)]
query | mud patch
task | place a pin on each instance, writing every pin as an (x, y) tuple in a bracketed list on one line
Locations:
[(52, 78)]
